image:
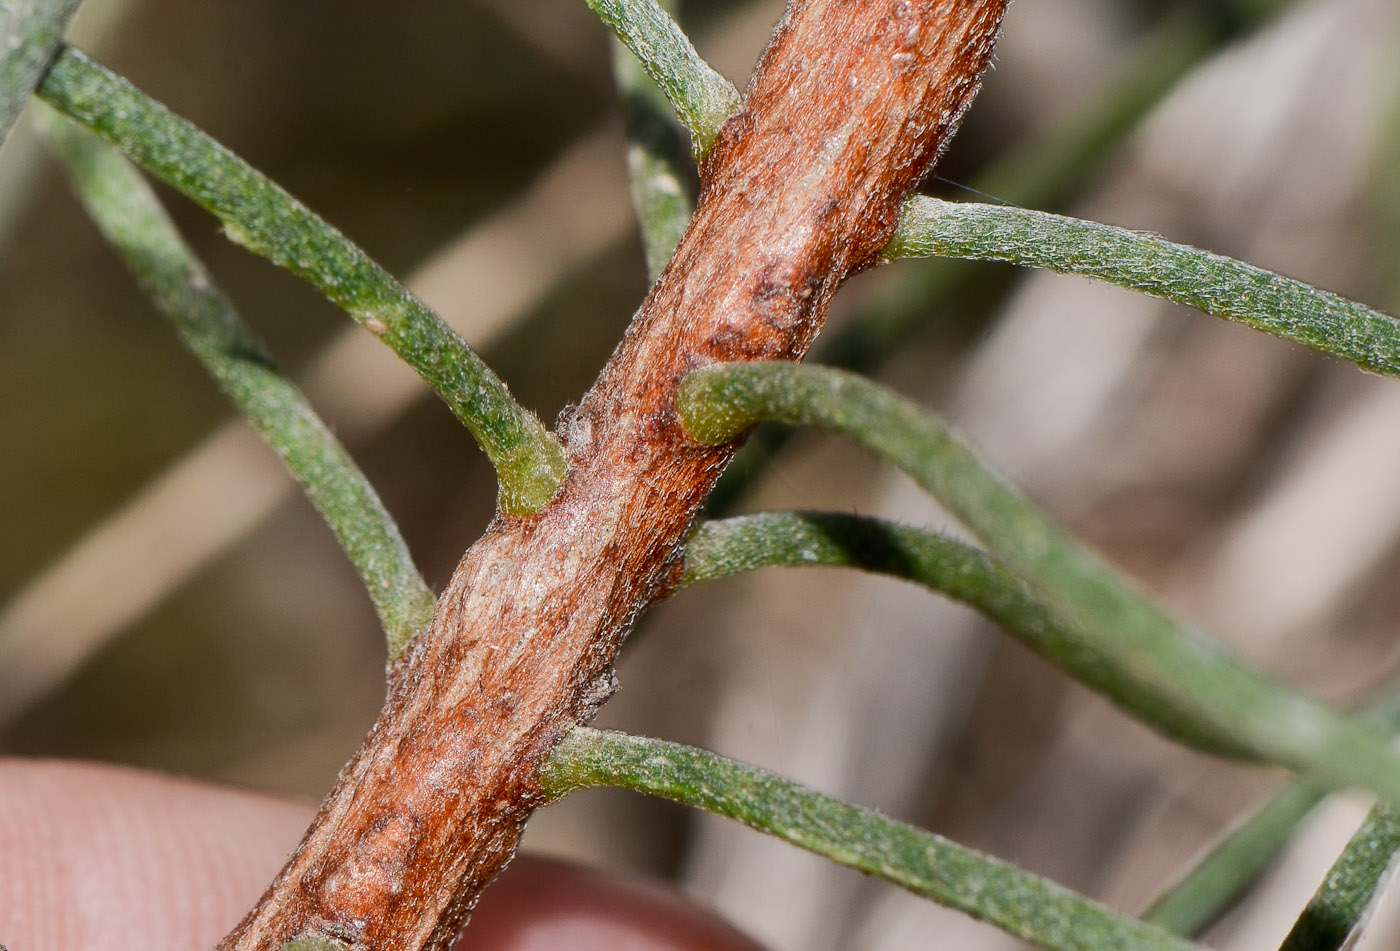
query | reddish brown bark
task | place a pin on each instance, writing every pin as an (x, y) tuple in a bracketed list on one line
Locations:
[(847, 110)]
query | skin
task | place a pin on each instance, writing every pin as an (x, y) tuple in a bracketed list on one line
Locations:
[(95, 856)]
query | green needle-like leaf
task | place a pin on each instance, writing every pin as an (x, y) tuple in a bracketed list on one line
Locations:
[(986, 888), (31, 32), (795, 539), (701, 97), (1217, 881), (131, 217), (1194, 690), (732, 546), (656, 162), (1217, 285), (1341, 905), (529, 460)]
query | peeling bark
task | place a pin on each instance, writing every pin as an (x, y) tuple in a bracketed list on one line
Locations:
[(848, 109)]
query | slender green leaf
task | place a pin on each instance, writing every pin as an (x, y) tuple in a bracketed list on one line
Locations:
[(529, 461), (930, 866), (1218, 880), (1217, 285), (731, 546), (133, 220), (1194, 690), (657, 161), (960, 571), (701, 97), (1342, 903), (31, 32), (1221, 878)]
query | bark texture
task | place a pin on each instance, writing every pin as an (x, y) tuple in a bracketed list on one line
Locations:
[(848, 109)]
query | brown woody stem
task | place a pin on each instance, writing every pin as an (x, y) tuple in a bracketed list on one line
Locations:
[(848, 109)]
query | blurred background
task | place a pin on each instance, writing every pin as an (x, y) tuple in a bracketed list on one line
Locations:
[(168, 600)]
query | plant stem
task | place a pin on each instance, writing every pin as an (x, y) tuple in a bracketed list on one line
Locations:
[(701, 97), (657, 161), (1340, 907), (1218, 285), (989, 889), (257, 214), (31, 32), (132, 219), (1192, 686), (801, 194)]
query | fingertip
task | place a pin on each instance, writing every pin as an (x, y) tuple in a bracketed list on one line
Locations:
[(101, 856), (541, 904)]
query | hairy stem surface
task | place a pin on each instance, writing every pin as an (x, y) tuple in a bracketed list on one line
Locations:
[(802, 188)]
